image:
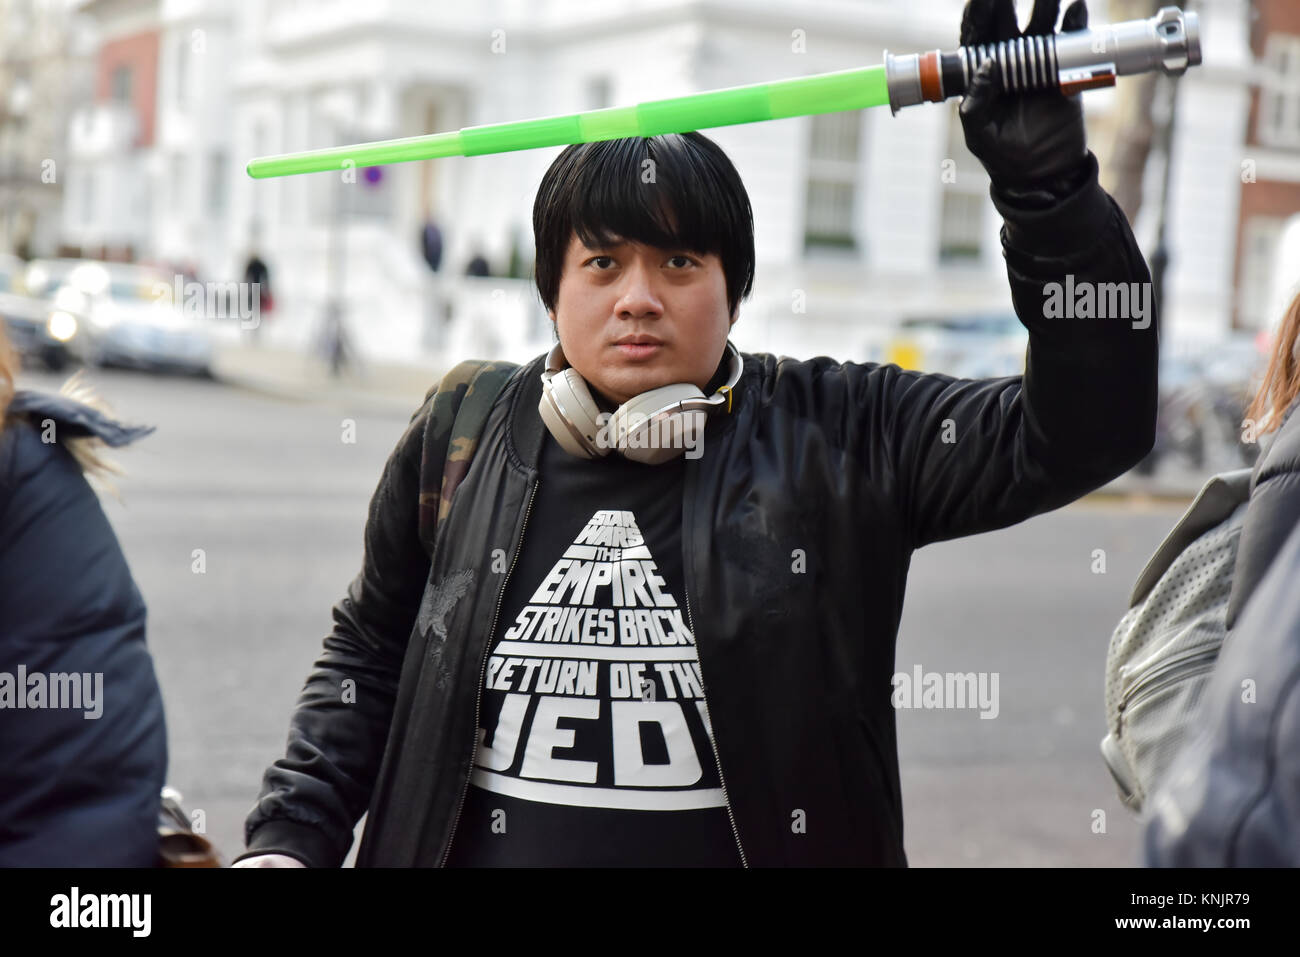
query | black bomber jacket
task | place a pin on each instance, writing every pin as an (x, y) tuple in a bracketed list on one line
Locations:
[(854, 464)]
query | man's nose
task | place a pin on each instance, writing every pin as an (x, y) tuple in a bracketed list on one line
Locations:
[(637, 295)]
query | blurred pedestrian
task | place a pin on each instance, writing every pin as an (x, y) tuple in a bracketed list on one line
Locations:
[(434, 308), (256, 271), (83, 745), (431, 243)]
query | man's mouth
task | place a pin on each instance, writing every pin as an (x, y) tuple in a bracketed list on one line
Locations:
[(638, 350), (638, 346)]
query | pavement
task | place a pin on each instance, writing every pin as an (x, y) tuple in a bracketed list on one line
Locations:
[(1171, 483), (274, 499), (287, 373)]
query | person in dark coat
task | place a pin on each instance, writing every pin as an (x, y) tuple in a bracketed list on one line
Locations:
[(83, 744), (1275, 485), (257, 272), (1233, 797), (431, 244)]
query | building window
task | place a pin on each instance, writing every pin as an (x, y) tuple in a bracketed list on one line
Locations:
[(120, 84), (1279, 97), (1259, 240), (216, 183), (85, 198), (370, 197), (835, 148), (965, 193), (177, 177), (182, 72), (597, 93)]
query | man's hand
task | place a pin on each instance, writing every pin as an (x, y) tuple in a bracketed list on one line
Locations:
[(269, 860), (1030, 143)]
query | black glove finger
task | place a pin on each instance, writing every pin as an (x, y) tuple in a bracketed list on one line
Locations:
[(1043, 20), (981, 96), (1076, 17), (988, 21), (975, 22), (1005, 25)]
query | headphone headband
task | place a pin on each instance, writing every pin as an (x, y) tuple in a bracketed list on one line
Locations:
[(578, 425)]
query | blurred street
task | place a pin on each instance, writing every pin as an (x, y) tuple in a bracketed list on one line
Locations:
[(276, 499)]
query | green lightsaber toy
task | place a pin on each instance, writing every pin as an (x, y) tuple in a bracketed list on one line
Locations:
[(1076, 61)]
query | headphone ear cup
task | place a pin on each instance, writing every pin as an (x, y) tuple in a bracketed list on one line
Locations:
[(641, 438), (571, 415)]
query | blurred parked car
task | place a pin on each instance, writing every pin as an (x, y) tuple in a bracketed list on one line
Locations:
[(1203, 400), (124, 315), (26, 295), (973, 346)]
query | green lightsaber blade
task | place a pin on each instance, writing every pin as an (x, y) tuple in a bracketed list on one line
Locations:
[(1071, 62), (782, 99)]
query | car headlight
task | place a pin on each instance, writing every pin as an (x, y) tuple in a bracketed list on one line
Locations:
[(102, 318), (70, 299), (61, 326)]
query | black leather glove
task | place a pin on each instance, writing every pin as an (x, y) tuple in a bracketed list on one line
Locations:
[(1033, 145)]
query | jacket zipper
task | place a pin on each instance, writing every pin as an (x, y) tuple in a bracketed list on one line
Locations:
[(716, 757), (1186, 665), (487, 646)]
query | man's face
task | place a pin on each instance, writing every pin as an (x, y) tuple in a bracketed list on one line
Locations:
[(612, 297)]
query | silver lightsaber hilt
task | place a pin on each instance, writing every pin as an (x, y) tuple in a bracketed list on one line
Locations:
[(1081, 60)]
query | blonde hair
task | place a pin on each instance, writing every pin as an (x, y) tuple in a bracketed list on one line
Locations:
[(87, 450), (1281, 383), (8, 368)]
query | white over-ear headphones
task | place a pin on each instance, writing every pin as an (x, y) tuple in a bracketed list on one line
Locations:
[(651, 428)]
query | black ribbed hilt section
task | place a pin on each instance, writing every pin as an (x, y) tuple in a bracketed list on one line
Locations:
[(1028, 63)]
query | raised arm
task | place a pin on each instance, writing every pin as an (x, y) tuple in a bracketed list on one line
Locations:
[(976, 455)]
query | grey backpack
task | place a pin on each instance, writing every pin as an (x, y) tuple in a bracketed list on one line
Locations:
[(1164, 648)]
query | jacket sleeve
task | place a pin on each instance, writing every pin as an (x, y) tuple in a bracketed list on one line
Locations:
[(312, 798), (973, 455)]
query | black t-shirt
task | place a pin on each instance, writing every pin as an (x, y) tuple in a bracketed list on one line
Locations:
[(594, 743)]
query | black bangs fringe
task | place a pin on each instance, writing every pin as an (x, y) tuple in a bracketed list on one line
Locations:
[(648, 191), (676, 191)]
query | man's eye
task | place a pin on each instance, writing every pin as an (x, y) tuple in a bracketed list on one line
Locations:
[(597, 259), (687, 260)]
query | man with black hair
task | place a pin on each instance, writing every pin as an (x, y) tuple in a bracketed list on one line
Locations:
[(589, 647)]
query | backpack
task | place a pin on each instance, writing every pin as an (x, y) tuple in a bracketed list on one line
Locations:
[(466, 395), (1163, 650)]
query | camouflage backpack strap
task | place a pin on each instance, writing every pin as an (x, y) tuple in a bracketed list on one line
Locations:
[(461, 403)]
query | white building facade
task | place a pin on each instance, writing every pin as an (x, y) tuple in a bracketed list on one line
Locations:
[(861, 218)]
